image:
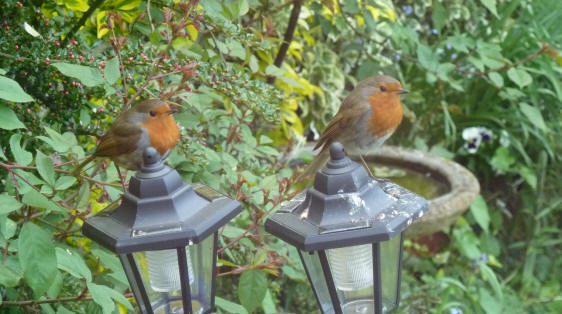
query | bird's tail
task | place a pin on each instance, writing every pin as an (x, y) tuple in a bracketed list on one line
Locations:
[(317, 163), (76, 171)]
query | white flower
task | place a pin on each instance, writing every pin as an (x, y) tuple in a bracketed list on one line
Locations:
[(455, 310), (474, 136)]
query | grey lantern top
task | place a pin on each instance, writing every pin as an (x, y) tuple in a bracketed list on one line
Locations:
[(345, 207), (159, 211)]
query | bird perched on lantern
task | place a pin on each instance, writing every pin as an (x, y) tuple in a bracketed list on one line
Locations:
[(367, 117), (149, 123)]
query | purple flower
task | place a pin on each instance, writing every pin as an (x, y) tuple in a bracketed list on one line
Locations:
[(434, 31), (484, 257), (397, 57), (454, 56), (440, 51), (407, 9), (449, 46)]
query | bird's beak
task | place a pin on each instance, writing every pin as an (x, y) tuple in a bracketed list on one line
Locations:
[(174, 110), (402, 91)]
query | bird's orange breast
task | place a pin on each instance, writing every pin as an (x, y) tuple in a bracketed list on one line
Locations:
[(163, 133), (386, 113)]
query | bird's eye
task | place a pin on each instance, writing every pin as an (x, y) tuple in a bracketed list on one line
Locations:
[(383, 89), (152, 113)]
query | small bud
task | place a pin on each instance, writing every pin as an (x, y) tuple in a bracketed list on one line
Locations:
[(17, 47)]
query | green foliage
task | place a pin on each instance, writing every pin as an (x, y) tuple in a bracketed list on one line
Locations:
[(492, 65)]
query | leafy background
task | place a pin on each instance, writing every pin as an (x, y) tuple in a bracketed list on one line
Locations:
[(69, 67)]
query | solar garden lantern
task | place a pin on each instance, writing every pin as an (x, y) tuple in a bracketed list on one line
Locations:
[(165, 233), (349, 230)]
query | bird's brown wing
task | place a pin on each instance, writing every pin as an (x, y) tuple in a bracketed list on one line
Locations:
[(121, 139), (351, 110)]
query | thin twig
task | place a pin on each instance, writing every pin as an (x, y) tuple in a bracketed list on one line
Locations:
[(57, 300)]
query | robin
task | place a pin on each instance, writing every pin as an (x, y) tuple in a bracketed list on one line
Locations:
[(149, 123), (367, 117)]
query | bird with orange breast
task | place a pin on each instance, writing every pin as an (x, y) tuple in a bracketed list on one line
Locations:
[(367, 117), (149, 123)]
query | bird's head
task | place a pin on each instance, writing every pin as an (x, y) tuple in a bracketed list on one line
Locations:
[(381, 86), (149, 111)]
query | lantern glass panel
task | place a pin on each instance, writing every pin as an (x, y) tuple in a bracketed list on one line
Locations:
[(390, 268), (160, 275), (352, 271), (313, 267)]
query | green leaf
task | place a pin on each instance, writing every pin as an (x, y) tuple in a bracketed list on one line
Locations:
[(45, 168), (110, 261), (502, 159), (8, 204), (479, 211), (83, 197), (427, 58), (36, 199), (273, 70), (230, 307), (10, 90), (104, 296), (56, 287), (111, 71), (519, 77), (37, 258), (491, 6), (85, 117), (60, 143), (8, 277), (87, 75), (490, 304), (252, 288), (8, 227), (73, 263), (439, 16), (268, 304), (534, 115), (491, 277), (254, 66), (64, 182), (529, 176), (243, 7), (9, 120), (22, 156), (496, 78)]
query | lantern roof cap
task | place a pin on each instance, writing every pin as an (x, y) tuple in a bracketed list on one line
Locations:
[(345, 207), (159, 211)]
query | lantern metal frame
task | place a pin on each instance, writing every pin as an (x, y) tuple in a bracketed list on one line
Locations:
[(160, 212), (346, 208)]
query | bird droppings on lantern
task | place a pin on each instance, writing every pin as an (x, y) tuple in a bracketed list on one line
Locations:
[(349, 230), (165, 234)]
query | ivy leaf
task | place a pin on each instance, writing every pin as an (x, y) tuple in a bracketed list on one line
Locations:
[(87, 75), (519, 77), (111, 71), (37, 258), (9, 120), (73, 263), (45, 168), (251, 288), (10, 90), (8, 204), (491, 6), (534, 115), (479, 211), (104, 296), (22, 156)]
